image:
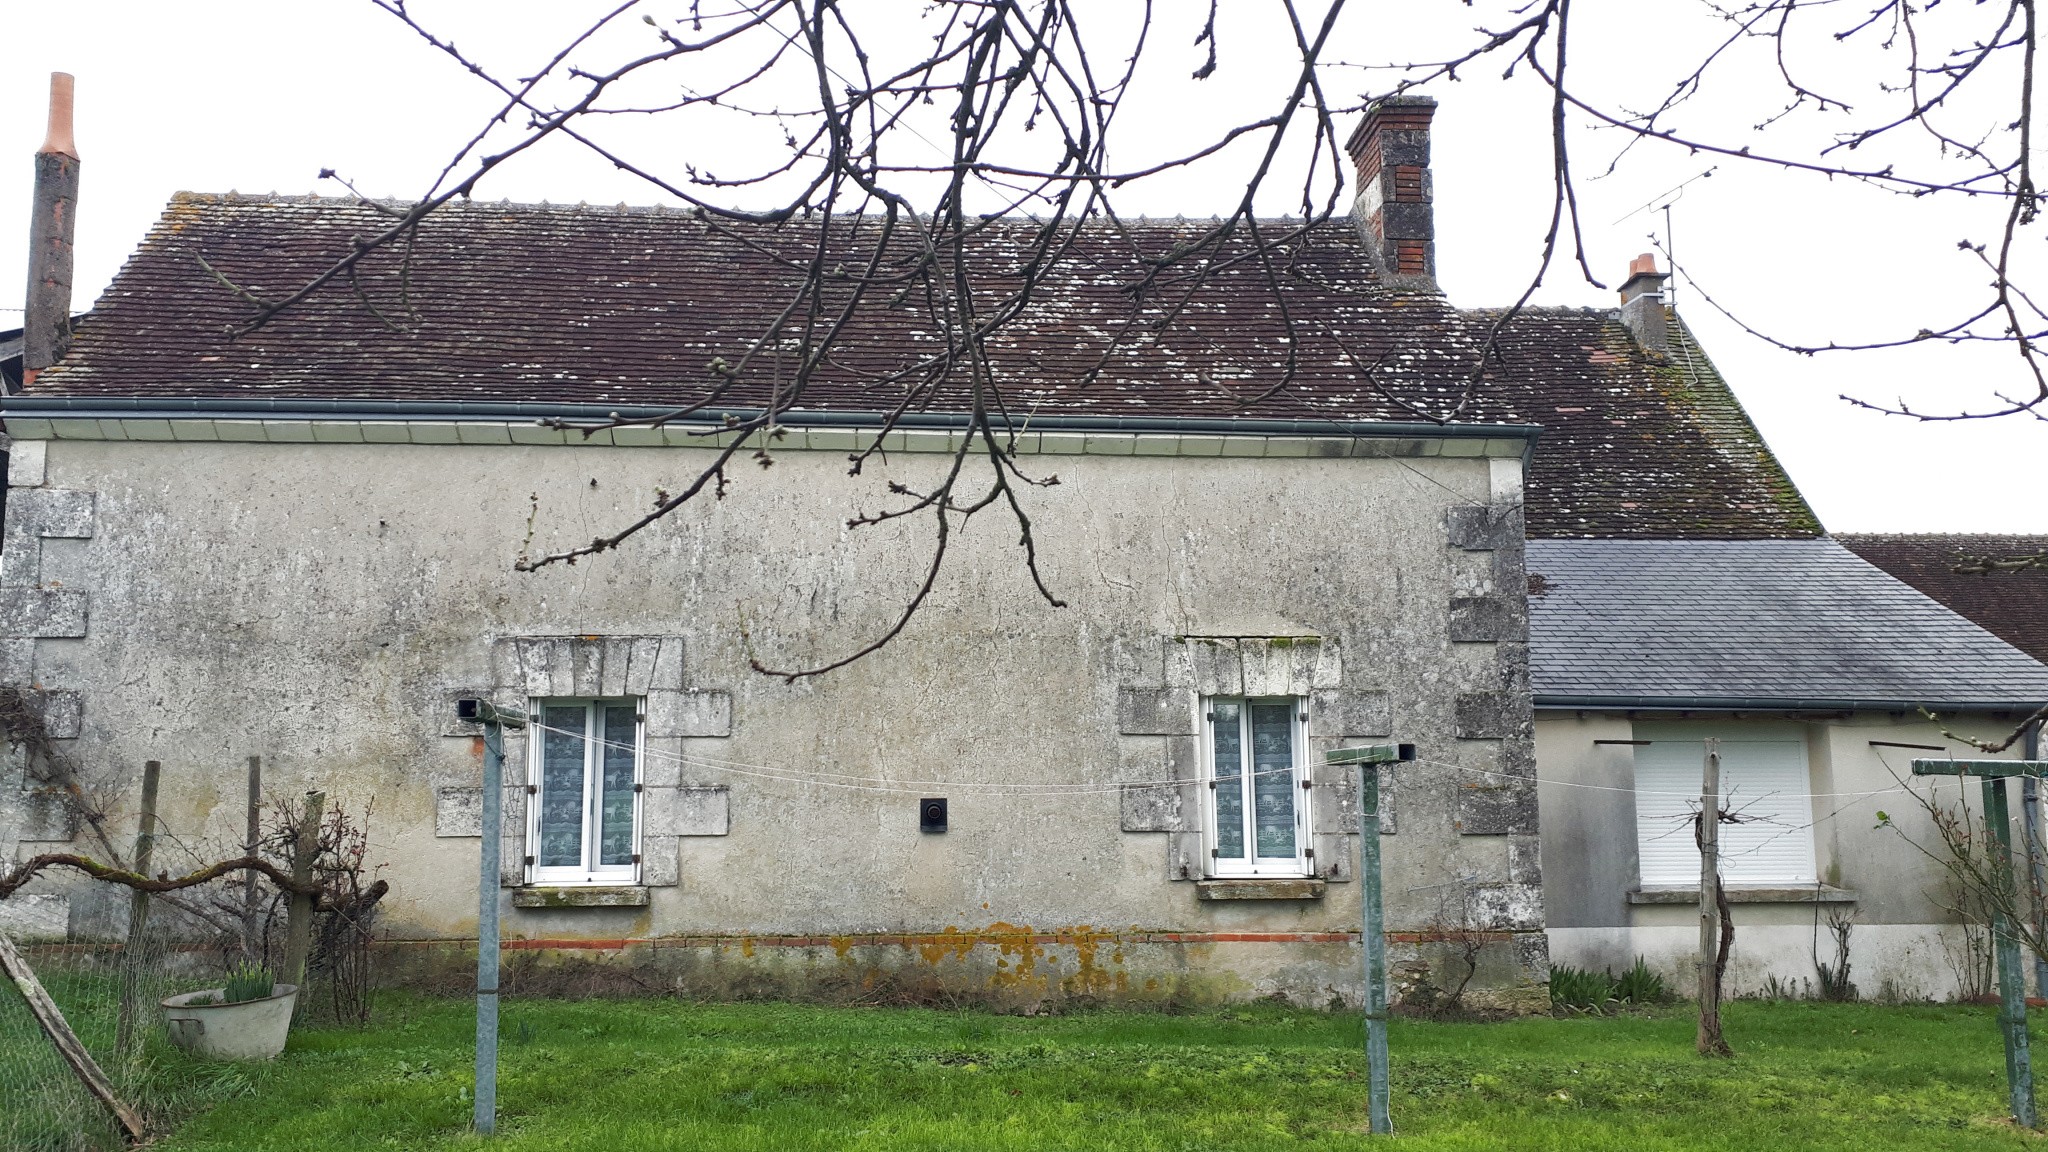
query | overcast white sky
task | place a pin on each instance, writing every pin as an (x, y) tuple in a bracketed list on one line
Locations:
[(259, 96)]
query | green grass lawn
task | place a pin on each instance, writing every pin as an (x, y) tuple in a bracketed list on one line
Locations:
[(622, 1075)]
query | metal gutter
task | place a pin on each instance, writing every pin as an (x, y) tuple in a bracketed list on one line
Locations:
[(1771, 704), (173, 408)]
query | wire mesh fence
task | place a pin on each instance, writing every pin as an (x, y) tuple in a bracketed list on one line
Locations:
[(109, 987), (96, 985)]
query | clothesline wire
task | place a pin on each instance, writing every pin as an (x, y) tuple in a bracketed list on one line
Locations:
[(1682, 822), (856, 782)]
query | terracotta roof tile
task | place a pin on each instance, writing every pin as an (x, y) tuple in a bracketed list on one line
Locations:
[(603, 305), (632, 306), (1637, 448), (2011, 604)]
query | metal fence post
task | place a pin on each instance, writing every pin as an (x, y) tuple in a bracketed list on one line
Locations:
[(484, 1117), (1372, 937), (252, 945), (2037, 861), (2012, 981)]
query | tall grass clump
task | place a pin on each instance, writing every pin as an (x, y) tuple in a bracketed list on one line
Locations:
[(1578, 990)]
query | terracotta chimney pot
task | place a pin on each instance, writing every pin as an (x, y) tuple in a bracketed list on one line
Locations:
[(58, 139)]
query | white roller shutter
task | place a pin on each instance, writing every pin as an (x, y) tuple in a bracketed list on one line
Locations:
[(1763, 781)]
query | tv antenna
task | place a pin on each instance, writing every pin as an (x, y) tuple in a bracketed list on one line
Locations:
[(1662, 203)]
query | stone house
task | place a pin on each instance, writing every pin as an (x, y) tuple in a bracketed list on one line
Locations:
[(299, 544)]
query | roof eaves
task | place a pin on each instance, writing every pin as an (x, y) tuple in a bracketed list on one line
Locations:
[(1771, 704), (114, 407)]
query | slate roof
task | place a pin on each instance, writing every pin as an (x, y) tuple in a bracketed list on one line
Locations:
[(2011, 604), (624, 306), (1753, 624)]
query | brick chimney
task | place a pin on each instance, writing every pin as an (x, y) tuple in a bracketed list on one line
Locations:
[(1391, 149), (1642, 304), (46, 315)]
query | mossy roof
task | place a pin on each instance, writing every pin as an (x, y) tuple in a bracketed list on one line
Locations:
[(576, 304), (1636, 446)]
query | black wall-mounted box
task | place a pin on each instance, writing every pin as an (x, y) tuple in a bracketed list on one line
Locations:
[(931, 814)]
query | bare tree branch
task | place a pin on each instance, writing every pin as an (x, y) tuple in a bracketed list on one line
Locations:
[(913, 141)]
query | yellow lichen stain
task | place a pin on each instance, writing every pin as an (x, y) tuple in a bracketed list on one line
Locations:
[(1089, 979), (1027, 958), (182, 212), (747, 947), (1018, 945), (841, 945), (1151, 985), (951, 942)]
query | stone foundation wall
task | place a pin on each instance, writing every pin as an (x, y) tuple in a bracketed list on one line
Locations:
[(1004, 967)]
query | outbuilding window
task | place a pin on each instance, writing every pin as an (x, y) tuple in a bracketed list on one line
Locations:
[(1763, 783), (583, 811), (1258, 807)]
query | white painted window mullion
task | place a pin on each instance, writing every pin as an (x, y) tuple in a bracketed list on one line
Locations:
[(591, 759), (1248, 787)]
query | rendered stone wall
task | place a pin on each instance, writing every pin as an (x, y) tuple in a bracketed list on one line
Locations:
[(1907, 941), (321, 605)]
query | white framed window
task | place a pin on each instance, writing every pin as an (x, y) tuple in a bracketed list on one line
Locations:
[(1254, 752), (583, 791), (1764, 782)]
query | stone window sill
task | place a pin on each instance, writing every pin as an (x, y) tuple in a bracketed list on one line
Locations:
[(1822, 894), (590, 896), (1293, 888)]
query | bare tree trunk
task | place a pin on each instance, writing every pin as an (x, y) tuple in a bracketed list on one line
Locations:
[(299, 922), (138, 916), (1721, 955), (1716, 928)]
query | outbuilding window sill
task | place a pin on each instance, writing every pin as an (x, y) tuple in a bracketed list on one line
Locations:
[(1819, 894), (581, 896), (1249, 888)]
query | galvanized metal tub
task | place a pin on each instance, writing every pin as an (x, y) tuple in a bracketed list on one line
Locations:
[(250, 1030)]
